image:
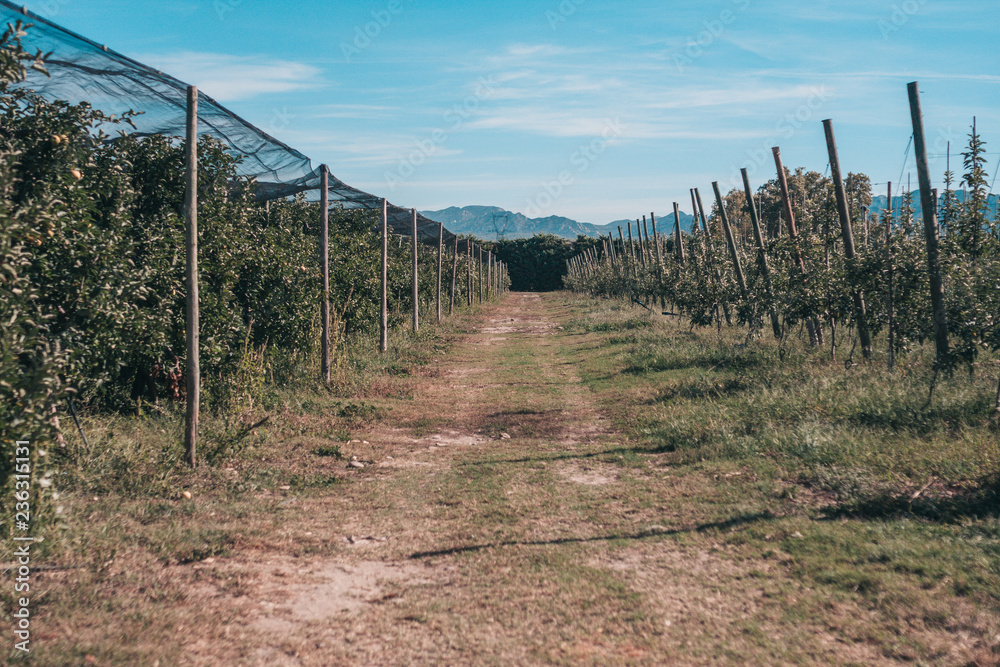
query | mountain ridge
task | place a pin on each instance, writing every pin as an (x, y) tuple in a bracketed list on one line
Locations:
[(492, 222)]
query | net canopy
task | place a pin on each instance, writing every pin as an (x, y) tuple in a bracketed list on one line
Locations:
[(82, 70)]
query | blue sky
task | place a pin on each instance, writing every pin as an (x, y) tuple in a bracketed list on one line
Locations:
[(584, 108)]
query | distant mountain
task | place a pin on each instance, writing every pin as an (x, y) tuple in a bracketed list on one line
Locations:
[(878, 203), (492, 222)]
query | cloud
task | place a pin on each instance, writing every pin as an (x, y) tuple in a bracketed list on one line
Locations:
[(228, 78)]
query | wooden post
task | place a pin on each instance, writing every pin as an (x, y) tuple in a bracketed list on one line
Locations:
[(731, 242), (889, 277), (711, 253), (679, 250), (761, 254), (440, 266), (813, 325), (324, 260), (384, 300), (191, 240), (479, 268), (454, 277), (657, 242), (645, 233), (468, 272), (929, 207), (642, 247), (848, 236), (416, 277)]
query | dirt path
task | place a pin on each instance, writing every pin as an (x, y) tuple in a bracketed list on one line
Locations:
[(497, 519)]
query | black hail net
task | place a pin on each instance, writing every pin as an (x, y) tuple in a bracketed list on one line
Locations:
[(84, 71)]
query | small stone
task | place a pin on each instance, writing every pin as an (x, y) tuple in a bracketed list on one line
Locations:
[(357, 464), (505, 436), (208, 561), (187, 494), (797, 534), (285, 488)]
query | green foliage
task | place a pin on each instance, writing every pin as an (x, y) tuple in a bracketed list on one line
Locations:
[(92, 268), (538, 264), (705, 291)]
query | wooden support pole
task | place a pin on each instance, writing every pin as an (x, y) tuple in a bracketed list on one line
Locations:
[(813, 325), (384, 299), (731, 242), (645, 232), (679, 249), (711, 253), (631, 250), (929, 206), (454, 277), (889, 277), (657, 242), (479, 267), (191, 275), (489, 274), (324, 260), (848, 236), (440, 267), (468, 271), (765, 270), (416, 277), (642, 246)]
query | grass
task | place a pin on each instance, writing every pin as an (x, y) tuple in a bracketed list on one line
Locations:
[(877, 493), (665, 495), (126, 506)]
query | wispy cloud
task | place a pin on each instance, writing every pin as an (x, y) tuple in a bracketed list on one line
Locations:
[(229, 78)]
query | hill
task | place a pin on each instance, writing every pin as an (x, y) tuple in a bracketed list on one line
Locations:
[(493, 222)]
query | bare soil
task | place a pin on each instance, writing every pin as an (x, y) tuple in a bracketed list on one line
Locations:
[(493, 520)]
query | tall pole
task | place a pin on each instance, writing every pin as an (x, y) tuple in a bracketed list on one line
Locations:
[(645, 232), (384, 300), (731, 242), (761, 254), (479, 267), (848, 235), (889, 277), (929, 207), (679, 250), (656, 239), (324, 260), (454, 277), (416, 277), (468, 268), (711, 253), (440, 266), (642, 247), (191, 240), (813, 325)]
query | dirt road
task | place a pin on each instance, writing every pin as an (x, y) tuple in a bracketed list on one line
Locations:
[(497, 519)]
